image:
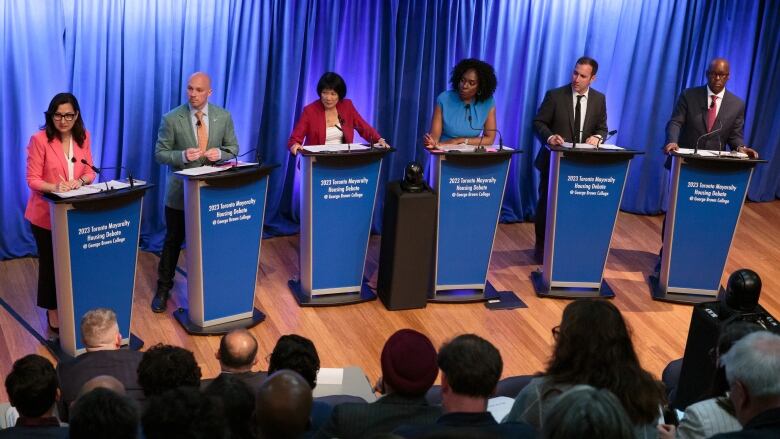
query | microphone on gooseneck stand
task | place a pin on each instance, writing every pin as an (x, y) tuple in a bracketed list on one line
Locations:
[(99, 171), (339, 127), (609, 135), (696, 145), (236, 156), (479, 147), (91, 166)]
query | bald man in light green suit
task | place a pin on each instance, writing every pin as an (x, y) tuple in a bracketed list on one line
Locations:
[(191, 135)]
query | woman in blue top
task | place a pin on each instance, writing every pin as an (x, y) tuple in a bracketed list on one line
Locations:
[(465, 112)]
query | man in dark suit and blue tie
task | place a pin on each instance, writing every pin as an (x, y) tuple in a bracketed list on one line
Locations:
[(709, 109), (574, 113)]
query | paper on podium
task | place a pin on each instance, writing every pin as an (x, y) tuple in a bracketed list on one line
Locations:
[(83, 190), (200, 170), (606, 146), (336, 147), (712, 153)]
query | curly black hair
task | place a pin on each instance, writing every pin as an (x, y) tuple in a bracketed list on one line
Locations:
[(165, 367), (184, 413), (485, 74), (298, 354)]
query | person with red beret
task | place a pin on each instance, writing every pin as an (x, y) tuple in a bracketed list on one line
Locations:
[(409, 369)]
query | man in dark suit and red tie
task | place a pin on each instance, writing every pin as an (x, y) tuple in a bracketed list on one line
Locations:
[(573, 113), (709, 109)]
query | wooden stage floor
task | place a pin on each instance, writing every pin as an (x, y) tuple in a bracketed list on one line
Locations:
[(354, 335)]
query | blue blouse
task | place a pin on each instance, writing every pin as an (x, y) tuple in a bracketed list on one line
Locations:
[(454, 114)]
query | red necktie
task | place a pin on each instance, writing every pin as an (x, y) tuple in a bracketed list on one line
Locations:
[(712, 113)]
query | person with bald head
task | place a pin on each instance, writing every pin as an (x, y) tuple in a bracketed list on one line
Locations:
[(282, 406), (102, 340), (191, 135), (237, 355), (709, 117)]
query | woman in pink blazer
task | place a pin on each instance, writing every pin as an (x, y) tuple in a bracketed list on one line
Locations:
[(54, 157), (331, 118)]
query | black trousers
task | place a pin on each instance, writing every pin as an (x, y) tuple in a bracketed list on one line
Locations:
[(174, 238), (540, 219), (47, 290)]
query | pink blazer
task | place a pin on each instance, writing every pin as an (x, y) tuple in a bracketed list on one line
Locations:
[(47, 164), (311, 125)]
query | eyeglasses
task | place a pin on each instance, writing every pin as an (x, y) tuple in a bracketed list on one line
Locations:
[(718, 75), (556, 331), (67, 116)]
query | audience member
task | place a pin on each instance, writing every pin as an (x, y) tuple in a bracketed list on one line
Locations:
[(165, 367), (184, 413), (238, 403), (593, 346), (584, 412), (237, 355), (753, 372), (409, 369), (716, 414), (103, 356), (102, 382), (470, 369), (298, 354), (282, 406), (102, 413), (33, 390)]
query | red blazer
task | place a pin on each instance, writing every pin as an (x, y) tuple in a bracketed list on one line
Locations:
[(47, 164), (311, 125)]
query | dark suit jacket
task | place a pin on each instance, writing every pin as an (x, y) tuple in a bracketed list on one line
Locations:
[(689, 121), (764, 425), (252, 379), (35, 433), (357, 420), (556, 116), (121, 364), (475, 425)]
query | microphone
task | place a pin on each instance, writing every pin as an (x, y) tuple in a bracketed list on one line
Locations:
[(100, 171), (479, 147), (500, 138), (609, 135), (236, 156), (341, 122), (84, 161), (696, 145)]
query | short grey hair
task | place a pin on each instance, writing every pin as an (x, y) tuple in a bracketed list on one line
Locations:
[(586, 412), (98, 326), (755, 362)]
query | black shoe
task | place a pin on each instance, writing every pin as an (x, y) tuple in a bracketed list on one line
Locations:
[(160, 301)]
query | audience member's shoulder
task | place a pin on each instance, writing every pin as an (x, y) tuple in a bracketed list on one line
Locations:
[(35, 432)]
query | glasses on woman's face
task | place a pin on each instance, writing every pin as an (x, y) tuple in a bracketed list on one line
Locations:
[(67, 116)]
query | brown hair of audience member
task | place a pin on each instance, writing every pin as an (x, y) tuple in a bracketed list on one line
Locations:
[(594, 347)]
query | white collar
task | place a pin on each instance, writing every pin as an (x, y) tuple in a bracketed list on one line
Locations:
[(720, 95)]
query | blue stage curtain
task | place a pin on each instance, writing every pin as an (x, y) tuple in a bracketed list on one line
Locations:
[(128, 63)]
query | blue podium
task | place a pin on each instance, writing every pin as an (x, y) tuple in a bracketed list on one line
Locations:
[(470, 188), (95, 242), (338, 192), (707, 193), (223, 215), (584, 194)]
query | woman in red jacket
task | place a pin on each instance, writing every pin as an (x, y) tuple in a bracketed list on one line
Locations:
[(331, 119), (54, 157)]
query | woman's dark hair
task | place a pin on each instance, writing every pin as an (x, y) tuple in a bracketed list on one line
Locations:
[(79, 134), (332, 81), (485, 74), (594, 347), (730, 333), (298, 354)]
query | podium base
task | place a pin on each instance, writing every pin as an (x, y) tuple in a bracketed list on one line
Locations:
[(659, 294), (544, 290), (183, 317), (465, 295), (364, 295)]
